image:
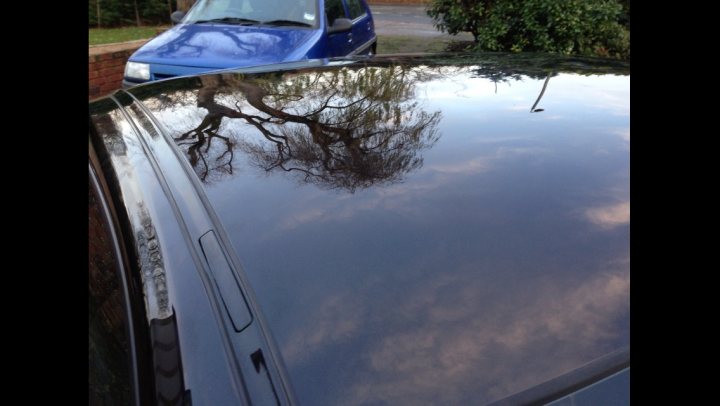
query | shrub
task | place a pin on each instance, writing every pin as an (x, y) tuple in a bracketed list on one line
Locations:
[(585, 27)]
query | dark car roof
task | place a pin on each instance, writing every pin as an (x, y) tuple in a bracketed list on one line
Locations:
[(447, 230)]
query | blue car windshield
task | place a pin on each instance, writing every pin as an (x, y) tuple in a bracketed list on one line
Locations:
[(275, 12)]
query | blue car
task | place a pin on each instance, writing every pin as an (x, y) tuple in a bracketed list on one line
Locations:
[(221, 34)]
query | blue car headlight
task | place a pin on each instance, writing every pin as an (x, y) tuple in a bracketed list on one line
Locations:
[(136, 70)]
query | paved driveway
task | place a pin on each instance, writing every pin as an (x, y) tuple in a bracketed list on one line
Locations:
[(408, 20)]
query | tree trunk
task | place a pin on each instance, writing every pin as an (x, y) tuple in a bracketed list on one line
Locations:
[(97, 2), (169, 7), (137, 13), (184, 5)]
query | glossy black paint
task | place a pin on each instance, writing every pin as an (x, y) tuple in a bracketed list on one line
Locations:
[(195, 351), (109, 351), (447, 230), (110, 258)]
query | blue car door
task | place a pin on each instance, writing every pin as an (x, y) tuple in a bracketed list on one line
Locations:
[(363, 31), (339, 43)]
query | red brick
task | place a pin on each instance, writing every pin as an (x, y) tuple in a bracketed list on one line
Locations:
[(92, 73), (111, 71), (97, 81), (109, 87), (120, 62), (121, 54), (118, 77), (110, 80), (111, 63)]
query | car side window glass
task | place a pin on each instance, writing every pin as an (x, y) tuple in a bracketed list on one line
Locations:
[(109, 381), (356, 9), (334, 9)]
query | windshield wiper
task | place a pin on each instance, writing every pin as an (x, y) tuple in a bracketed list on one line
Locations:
[(287, 22), (228, 20)]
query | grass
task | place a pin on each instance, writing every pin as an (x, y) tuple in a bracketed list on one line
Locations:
[(100, 36), (391, 44)]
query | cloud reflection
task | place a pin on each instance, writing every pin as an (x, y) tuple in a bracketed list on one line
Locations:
[(501, 347), (476, 165), (339, 319), (610, 216)]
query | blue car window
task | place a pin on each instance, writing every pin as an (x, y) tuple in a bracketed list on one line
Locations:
[(355, 8), (256, 10), (302, 10), (333, 10)]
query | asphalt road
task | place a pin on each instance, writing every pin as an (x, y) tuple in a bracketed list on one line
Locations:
[(408, 20)]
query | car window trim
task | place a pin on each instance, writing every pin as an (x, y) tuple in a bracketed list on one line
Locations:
[(142, 367)]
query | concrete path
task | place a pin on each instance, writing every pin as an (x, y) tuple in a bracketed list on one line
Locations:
[(116, 47), (402, 20)]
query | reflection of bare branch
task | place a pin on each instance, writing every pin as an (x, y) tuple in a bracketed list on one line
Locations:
[(345, 128), (532, 109), (204, 134)]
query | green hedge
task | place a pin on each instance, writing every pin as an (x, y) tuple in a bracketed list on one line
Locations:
[(581, 27)]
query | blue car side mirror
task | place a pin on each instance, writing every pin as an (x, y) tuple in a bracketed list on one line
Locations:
[(340, 25), (177, 16)]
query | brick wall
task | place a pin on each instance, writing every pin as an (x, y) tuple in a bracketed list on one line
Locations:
[(106, 66)]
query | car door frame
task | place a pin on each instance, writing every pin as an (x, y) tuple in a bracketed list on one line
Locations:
[(338, 43), (363, 39)]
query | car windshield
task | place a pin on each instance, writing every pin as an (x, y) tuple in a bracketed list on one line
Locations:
[(275, 12)]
